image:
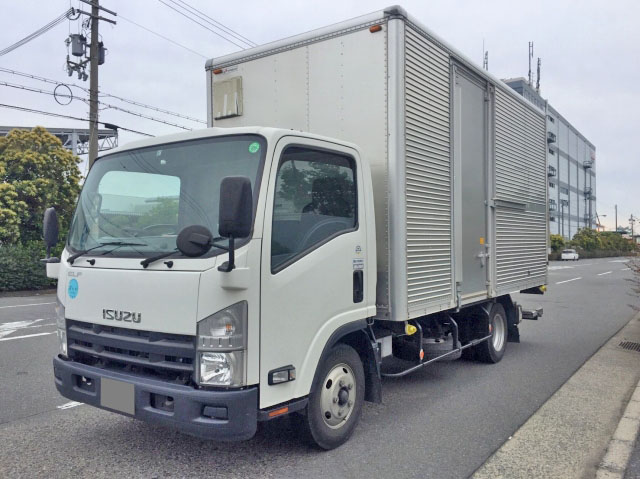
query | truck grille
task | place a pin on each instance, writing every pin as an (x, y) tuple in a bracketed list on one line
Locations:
[(168, 357)]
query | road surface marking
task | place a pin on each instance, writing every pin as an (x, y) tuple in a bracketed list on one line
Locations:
[(552, 268), (25, 305), (608, 272), (618, 261), (19, 324), (7, 332), (26, 336), (69, 405), (568, 280), (625, 269)]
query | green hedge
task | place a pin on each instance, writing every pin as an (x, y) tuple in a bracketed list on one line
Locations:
[(21, 269)]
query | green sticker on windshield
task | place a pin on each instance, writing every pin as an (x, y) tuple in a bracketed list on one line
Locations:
[(254, 147)]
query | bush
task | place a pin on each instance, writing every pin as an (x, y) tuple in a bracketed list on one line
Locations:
[(21, 269)]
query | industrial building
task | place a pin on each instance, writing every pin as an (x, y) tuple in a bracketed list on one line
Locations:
[(572, 168)]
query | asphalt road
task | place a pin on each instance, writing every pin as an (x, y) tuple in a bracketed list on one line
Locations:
[(442, 421)]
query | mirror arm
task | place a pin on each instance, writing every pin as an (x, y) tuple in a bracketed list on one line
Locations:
[(228, 266)]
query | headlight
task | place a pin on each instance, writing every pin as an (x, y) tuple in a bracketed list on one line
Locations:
[(222, 339), (62, 342), (60, 314), (222, 369), (62, 328)]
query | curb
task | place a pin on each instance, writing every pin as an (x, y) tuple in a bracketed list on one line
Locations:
[(614, 464)]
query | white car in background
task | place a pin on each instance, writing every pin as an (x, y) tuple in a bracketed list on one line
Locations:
[(569, 255)]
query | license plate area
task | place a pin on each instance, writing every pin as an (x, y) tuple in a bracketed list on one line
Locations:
[(118, 395)]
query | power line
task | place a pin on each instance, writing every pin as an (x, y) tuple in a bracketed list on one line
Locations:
[(107, 105), (48, 113), (216, 23), (56, 21), (163, 37), (201, 24), (161, 110), (126, 100)]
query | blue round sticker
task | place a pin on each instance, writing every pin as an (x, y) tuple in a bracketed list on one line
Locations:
[(73, 288)]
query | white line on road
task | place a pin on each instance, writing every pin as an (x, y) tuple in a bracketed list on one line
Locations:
[(69, 405), (26, 336), (608, 272), (19, 324), (618, 261), (7, 332), (25, 305), (625, 269), (568, 280)]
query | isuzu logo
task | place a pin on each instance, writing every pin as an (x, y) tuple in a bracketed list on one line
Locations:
[(117, 315)]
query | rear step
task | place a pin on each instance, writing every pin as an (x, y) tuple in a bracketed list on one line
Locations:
[(533, 314)]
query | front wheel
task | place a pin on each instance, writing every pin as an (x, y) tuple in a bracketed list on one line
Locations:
[(492, 350), (335, 403)]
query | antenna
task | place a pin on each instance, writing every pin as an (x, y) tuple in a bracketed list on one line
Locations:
[(530, 58), (538, 76)]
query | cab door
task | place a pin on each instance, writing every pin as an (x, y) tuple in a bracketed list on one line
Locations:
[(313, 259)]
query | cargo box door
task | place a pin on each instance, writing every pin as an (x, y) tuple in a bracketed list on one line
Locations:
[(470, 175)]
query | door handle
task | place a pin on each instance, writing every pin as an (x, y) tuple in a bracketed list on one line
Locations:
[(483, 257), (358, 286)]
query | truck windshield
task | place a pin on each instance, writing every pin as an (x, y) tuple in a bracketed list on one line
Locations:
[(144, 197)]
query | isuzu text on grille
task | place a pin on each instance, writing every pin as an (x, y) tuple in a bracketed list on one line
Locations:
[(126, 316)]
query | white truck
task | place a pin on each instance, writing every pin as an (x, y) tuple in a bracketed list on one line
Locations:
[(380, 220)]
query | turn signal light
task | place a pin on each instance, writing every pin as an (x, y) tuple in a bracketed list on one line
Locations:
[(375, 28), (217, 71)]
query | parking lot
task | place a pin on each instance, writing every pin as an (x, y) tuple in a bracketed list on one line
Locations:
[(442, 421)]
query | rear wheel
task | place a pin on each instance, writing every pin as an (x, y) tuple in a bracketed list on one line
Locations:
[(492, 350), (335, 404)]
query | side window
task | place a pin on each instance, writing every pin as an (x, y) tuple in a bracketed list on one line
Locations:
[(315, 200)]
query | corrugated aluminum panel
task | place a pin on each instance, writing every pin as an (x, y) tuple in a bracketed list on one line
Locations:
[(521, 194), (428, 175)]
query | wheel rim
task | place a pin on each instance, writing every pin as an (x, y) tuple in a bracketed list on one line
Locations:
[(338, 396), (498, 328)]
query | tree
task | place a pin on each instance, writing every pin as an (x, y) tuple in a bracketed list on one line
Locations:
[(557, 243), (36, 172), (587, 240)]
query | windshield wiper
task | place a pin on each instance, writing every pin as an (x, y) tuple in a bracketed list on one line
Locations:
[(73, 257), (147, 261)]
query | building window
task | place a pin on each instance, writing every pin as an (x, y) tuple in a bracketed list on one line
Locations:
[(551, 152), (552, 185), (564, 191), (551, 119)]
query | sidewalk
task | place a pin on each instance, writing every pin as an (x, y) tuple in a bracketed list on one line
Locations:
[(569, 436)]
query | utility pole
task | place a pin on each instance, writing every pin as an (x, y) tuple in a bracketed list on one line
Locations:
[(616, 230), (632, 221), (93, 84), (95, 59)]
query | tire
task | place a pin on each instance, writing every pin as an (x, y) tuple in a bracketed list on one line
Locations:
[(492, 350), (335, 403)]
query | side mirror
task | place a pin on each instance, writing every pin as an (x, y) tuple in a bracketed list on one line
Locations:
[(235, 214), (236, 207), (194, 240), (50, 229)]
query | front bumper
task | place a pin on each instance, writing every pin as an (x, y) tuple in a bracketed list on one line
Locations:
[(230, 415)]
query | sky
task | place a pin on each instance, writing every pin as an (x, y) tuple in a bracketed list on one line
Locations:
[(590, 54)]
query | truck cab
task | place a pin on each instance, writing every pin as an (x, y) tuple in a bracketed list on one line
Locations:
[(157, 325)]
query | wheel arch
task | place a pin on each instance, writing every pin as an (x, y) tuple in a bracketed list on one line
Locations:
[(355, 334)]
